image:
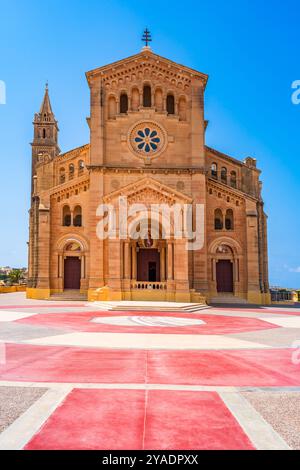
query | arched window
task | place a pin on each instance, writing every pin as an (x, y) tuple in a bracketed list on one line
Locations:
[(44, 133), (158, 99), (233, 179), (77, 217), (214, 170), (135, 99), (123, 103), (71, 171), (66, 216), (147, 96), (80, 167), (170, 104), (182, 109), (229, 223), (112, 107), (62, 175), (218, 219), (224, 175)]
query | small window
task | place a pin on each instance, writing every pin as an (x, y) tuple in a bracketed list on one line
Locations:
[(229, 220), (214, 170), (233, 179), (123, 103), (218, 219), (224, 175), (62, 175), (71, 171), (80, 167), (147, 96), (77, 217), (66, 216), (44, 133), (170, 104)]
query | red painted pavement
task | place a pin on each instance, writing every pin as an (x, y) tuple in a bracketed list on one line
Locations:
[(62, 364), (241, 368), (214, 324), (250, 368), (129, 419), (50, 305)]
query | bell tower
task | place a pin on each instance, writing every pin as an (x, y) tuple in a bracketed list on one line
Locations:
[(45, 140)]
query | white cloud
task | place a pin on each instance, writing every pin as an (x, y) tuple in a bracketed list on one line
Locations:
[(295, 270)]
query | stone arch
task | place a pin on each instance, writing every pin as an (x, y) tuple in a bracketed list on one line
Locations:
[(63, 241), (233, 244)]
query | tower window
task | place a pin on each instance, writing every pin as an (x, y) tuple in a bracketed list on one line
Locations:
[(71, 171), (44, 133), (233, 179), (80, 167), (229, 225), (218, 219), (66, 216), (170, 104), (147, 96), (123, 103), (77, 217), (62, 175), (224, 175), (214, 170)]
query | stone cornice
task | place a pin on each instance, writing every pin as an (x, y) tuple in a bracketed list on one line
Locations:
[(144, 170), (230, 159), (69, 186), (225, 189), (71, 153)]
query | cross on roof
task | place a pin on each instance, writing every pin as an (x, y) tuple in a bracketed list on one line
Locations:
[(146, 37)]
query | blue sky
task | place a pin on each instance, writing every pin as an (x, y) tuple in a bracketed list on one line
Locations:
[(250, 49)]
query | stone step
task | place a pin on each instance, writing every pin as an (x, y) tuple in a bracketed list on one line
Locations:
[(150, 307), (75, 296), (228, 299)]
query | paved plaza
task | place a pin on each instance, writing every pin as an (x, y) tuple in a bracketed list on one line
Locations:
[(76, 376)]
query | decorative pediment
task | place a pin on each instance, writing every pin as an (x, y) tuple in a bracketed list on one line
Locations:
[(147, 63), (149, 191)]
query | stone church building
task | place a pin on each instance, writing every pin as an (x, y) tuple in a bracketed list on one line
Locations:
[(147, 143)]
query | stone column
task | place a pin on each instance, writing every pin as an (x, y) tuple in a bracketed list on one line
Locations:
[(163, 264), (170, 261), (82, 267), (134, 260), (126, 260)]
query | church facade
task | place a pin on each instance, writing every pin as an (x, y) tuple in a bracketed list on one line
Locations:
[(147, 147)]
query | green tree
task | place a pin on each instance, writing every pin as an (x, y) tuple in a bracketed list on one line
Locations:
[(15, 276)]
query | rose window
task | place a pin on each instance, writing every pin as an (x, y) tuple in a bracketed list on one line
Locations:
[(147, 139)]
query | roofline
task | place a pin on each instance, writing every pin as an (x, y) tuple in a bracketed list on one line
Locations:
[(228, 157), (148, 53), (76, 149)]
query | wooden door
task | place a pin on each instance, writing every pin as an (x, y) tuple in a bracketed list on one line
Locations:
[(148, 264), (72, 273), (224, 276)]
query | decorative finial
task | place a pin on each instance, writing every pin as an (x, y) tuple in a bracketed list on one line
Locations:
[(146, 38), (46, 85)]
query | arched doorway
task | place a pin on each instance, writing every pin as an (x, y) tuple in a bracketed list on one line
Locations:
[(72, 273), (224, 269), (72, 266), (148, 265)]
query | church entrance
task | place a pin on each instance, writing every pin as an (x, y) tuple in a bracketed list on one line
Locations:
[(148, 265), (72, 273), (225, 276)]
